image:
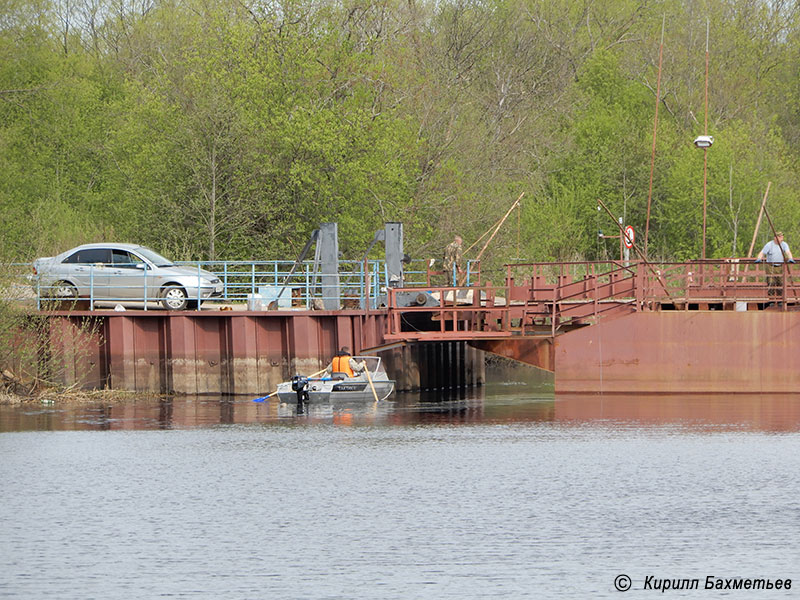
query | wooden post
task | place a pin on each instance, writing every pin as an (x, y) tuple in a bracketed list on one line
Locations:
[(758, 222)]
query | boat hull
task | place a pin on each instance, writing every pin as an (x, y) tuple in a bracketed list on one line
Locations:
[(331, 391)]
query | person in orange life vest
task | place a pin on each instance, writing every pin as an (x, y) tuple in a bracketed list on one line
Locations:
[(343, 362)]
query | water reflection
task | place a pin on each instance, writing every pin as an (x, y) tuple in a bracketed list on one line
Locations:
[(484, 405), (730, 411), (478, 405)]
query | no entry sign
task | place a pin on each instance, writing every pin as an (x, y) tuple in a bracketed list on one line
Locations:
[(629, 237)]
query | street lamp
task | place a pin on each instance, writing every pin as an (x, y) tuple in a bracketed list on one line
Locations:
[(703, 141)]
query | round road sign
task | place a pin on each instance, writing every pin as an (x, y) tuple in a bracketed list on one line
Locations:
[(629, 237)]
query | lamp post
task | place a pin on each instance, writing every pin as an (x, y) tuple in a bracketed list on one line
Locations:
[(704, 142)]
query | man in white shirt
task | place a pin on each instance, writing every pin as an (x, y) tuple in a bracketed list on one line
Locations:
[(775, 251)]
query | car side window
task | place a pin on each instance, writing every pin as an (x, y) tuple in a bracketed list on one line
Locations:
[(90, 256), (94, 256), (137, 260), (124, 259)]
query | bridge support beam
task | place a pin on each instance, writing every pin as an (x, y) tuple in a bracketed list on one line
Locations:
[(537, 352)]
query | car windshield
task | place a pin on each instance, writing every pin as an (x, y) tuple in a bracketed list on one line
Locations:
[(154, 257)]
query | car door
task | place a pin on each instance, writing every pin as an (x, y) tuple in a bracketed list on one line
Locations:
[(86, 268), (128, 277)]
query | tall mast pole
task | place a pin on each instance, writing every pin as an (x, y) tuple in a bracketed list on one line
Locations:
[(655, 129), (705, 150), (758, 221)]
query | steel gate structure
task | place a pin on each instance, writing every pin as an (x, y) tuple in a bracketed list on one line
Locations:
[(695, 327)]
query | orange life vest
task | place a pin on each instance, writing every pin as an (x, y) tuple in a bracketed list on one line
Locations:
[(341, 364)]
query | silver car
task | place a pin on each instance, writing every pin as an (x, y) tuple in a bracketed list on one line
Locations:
[(123, 272)]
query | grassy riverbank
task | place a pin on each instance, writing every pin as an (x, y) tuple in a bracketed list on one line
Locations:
[(72, 396)]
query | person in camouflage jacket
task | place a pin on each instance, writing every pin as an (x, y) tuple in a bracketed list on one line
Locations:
[(454, 257)]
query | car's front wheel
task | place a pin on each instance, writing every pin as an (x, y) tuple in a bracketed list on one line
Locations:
[(173, 297)]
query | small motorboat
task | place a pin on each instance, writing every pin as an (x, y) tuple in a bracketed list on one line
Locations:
[(338, 387)]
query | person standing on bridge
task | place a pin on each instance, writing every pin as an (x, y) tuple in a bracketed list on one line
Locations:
[(453, 257), (774, 251), (344, 363)]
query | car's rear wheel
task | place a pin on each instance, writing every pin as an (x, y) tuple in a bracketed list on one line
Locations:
[(58, 295), (63, 290), (173, 297)]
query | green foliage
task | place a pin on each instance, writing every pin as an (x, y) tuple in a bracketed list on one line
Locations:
[(218, 130)]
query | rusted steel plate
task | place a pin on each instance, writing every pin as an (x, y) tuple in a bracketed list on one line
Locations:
[(119, 352), (441, 336), (148, 355), (75, 352), (201, 353), (682, 351), (271, 355), (532, 351), (243, 355)]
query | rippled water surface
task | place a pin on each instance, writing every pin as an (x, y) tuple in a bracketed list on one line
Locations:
[(504, 493)]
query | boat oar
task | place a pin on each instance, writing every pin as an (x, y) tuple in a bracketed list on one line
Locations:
[(262, 398), (371, 385)]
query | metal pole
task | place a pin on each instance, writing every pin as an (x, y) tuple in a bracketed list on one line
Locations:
[(366, 286), (705, 176), (785, 265), (705, 150), (758, 221), (655, 129), (636, 249), (496, 229), (91, 287), (775, 233), (200, 281)]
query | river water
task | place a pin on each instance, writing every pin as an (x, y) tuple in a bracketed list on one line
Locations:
[(502, 492)]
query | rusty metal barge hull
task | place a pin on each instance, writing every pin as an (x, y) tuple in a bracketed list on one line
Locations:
[(669, 352), (682, 352), (683, 328)]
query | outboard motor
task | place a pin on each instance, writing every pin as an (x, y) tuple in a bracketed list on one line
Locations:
[(299, 386)]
